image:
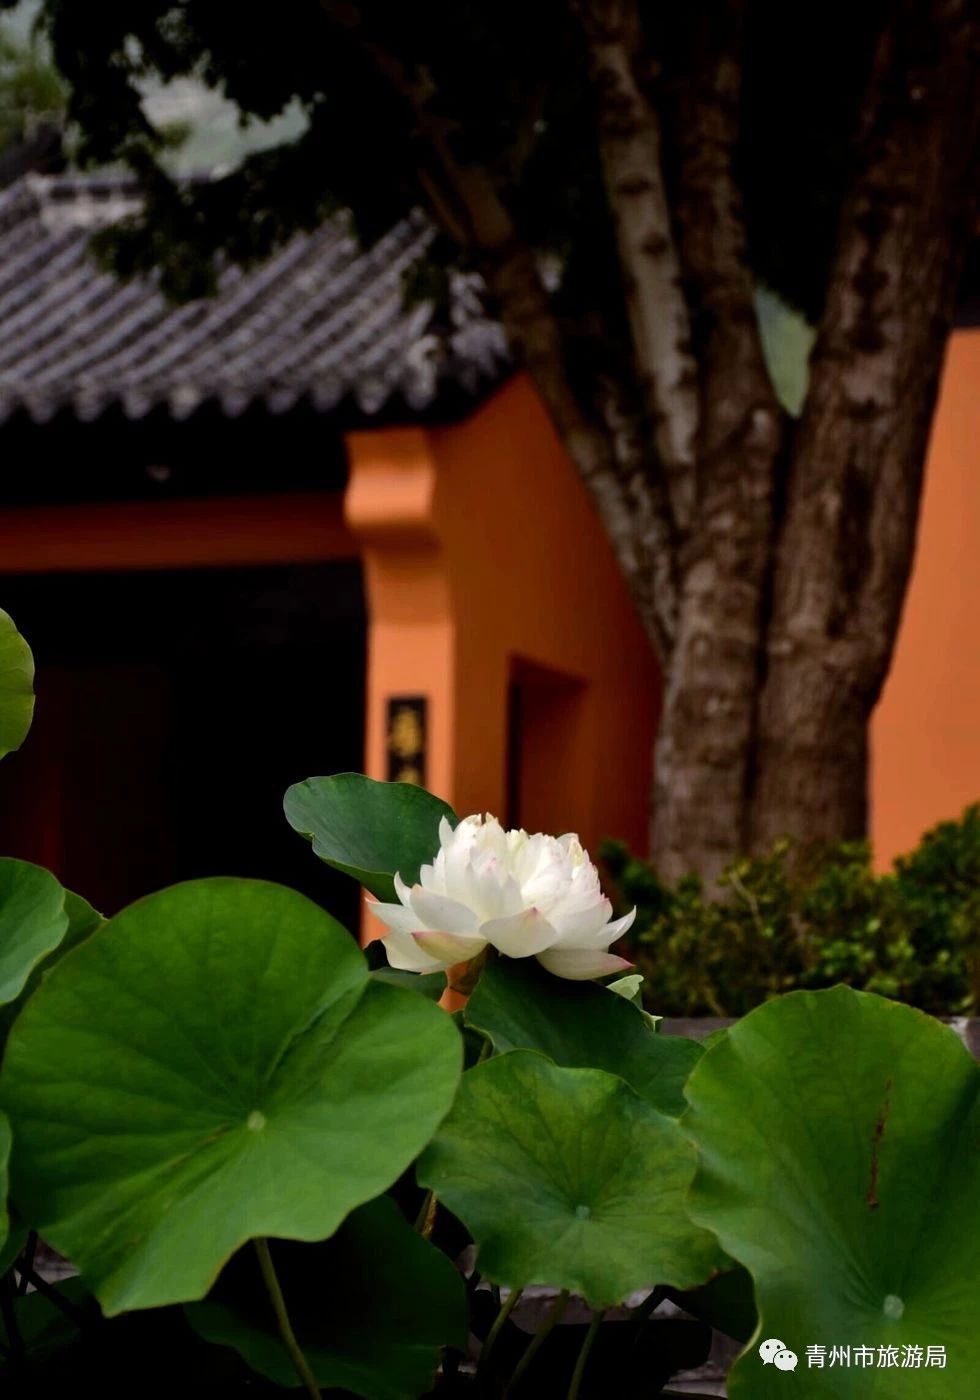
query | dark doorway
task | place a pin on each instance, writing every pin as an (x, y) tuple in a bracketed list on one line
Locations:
[(173, 711)]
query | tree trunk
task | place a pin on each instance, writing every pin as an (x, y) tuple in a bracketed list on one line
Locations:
[(702, 761), (770, 573), (853, 493)]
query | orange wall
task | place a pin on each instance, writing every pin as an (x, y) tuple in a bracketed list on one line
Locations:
[(926, 731), (485, 561), (484, 555)]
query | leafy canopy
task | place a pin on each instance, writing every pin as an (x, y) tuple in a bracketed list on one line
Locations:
[(508, 85)]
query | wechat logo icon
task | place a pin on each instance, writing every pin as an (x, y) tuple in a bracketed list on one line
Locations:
[(778, 1354)]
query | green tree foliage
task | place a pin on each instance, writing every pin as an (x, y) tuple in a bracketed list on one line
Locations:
[(511, 84), (32, 93)]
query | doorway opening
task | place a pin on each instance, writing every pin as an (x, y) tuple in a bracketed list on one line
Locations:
[(174, 708)]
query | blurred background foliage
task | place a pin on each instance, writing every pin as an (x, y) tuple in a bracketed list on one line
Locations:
[(912, 934)]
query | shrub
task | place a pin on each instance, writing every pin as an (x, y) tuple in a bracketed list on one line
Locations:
[(912, 934)]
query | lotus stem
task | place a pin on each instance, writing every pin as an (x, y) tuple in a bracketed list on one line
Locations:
[(583, 1356), (26, 1263), (649, 1305), (498, 1324), (538, 1340), (274, 1289), (50, 1292), (426, 1219)]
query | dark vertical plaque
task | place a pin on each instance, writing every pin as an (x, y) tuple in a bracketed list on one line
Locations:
[(406, 739)]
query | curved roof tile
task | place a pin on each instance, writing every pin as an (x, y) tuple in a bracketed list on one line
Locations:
[(320, 319)]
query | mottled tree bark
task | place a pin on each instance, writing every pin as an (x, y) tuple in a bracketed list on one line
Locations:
[(846, 546), (629, 148), (703, 754)]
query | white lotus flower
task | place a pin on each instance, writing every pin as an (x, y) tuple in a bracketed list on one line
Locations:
[(528, 896)]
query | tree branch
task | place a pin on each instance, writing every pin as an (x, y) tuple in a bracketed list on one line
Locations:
[(629, 145), (654, 538), (465, 200), (635, 514), (737, 397)]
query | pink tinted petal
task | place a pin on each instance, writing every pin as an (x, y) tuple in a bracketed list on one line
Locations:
[(519, 935), (435, 911), (404, 953), (448, 948), (581, 964)]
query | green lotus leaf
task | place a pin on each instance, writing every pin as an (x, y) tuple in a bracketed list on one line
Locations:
[(372, 1307), (368, 829), (17, 1233), (33, 921), (839, 1146), (212, 1065), (582, 1026), (16, 686), (426, 984), (35, 925), (726, 1302), (567, 1177)]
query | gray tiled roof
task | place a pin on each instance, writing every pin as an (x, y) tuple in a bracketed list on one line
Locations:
[(320, 320)]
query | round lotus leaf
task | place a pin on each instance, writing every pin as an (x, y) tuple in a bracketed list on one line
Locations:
[(567, 1177), (16, 686), (520, 1006), (212, 1065), (839, 1146), (367, 829)]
